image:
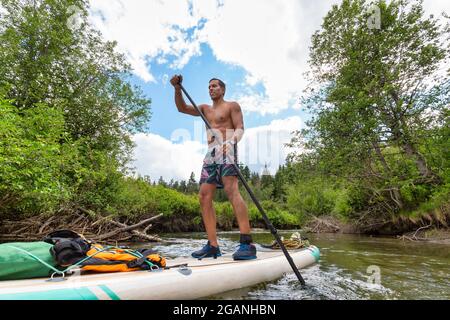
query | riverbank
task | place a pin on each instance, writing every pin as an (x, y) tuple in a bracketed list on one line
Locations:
[(437, 236), (421, 230), (145, 228)]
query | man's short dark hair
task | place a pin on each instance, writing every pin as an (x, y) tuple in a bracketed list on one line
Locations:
[(221, 83)]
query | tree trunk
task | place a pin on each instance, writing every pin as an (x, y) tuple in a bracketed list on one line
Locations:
[(380, 156), (395, 195), (421, 164), (400, 131)]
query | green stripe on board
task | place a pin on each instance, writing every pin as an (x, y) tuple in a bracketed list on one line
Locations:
[(109, 292), (315, 252), (60, 294)]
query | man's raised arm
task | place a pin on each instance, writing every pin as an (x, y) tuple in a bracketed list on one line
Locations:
[(179, 101)]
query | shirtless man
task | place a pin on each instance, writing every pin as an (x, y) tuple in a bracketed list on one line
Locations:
[(227, 124)]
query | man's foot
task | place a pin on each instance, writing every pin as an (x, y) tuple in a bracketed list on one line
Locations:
[(245, 252), (208, 251)]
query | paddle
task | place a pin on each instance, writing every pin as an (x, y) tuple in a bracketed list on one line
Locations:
[(252, 195)]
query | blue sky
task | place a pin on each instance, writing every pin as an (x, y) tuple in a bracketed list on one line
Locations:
[(197, 73), (259, 48)]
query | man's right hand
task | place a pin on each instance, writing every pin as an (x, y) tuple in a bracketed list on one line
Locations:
[(176, 80)]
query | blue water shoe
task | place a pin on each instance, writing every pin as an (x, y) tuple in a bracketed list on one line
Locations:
[(208, 251), (245, 252)]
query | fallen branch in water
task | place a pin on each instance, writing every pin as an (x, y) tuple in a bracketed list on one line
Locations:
[(125, 228), (425, 227), (322, 225), (414, 237), (139, 234), (93, 226)]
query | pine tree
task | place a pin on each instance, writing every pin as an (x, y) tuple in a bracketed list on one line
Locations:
[(161, 182), (192, 185), (183, 186)]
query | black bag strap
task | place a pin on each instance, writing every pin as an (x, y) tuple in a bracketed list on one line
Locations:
[(57, 235), (67, 252)]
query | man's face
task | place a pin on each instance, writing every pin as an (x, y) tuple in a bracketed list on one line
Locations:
[(215, 90)]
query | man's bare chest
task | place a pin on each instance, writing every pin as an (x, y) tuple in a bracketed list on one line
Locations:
[(218, 116)]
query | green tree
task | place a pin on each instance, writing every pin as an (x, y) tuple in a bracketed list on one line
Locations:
[(161, 182), (66, 74), (147, 179), (31, 158), (255, 179), (183, 186), (375, 99), (266, 178), (245, 170), (44, 59), (192, 185), (279, 183), (380, 78)]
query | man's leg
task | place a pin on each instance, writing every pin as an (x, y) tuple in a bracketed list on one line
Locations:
[(246, 249), (231, 188), (206, 196)]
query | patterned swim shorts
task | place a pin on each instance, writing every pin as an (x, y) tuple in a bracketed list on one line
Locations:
[(216, 166)]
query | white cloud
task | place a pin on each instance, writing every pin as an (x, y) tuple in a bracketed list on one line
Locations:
[(156, 156), (436, 7), (147, 30), (270, 39)]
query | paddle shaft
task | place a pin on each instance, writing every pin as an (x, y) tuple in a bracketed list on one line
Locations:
[(252, 195)]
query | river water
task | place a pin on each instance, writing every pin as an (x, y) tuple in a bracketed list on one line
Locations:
[(351, 267)]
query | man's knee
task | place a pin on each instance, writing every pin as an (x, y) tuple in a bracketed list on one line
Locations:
[(232, 191), (205, 196)]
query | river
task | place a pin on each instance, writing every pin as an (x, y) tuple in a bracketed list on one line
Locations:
[(351, 267)]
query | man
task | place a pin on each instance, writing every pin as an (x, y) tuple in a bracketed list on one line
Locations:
[(227, 124)]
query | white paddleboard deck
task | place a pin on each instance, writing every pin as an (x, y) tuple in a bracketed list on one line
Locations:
[(201, 278)]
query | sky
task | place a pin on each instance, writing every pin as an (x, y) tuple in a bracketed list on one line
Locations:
[(259, 48)]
